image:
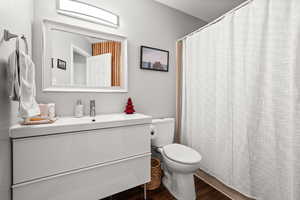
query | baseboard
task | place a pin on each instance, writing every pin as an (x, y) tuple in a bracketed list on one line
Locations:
[(218, 185)]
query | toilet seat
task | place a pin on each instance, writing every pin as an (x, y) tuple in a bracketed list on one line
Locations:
[(182, 154)]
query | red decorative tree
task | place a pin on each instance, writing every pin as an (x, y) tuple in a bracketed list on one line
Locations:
[(129, 107)]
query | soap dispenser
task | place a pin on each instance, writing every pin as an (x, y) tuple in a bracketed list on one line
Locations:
[(79, 109)]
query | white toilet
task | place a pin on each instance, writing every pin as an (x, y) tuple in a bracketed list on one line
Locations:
[(179, 162)]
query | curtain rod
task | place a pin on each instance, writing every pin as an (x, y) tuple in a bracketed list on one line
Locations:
[(217, 20)]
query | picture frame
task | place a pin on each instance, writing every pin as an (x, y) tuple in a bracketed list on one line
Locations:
[(154, 59), (61, 64)]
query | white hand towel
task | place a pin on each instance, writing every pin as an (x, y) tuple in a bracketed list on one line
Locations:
[(13, 77), (22, 83)]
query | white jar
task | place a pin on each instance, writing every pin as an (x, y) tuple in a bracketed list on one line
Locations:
[(51, 111)]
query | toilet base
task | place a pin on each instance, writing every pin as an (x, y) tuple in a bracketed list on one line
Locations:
[(181, 186)]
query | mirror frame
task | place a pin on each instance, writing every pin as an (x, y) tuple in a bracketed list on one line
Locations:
[(49, 25)]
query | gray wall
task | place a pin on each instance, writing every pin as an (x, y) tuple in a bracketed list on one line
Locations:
[(17, 16), (144, 22)]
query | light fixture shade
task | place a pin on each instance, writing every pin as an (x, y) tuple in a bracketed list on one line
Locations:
[(82, 10)]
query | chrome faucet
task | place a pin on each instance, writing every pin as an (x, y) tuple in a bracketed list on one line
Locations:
[(92, 108)]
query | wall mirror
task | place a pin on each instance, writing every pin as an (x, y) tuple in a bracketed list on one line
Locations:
[(83, 60)]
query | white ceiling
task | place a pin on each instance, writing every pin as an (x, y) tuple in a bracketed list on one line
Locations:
[(206, 10)]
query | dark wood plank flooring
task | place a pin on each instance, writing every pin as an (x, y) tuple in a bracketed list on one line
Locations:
[(203, 190)]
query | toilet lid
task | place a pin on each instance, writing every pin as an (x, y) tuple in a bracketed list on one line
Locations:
[(181, 153)]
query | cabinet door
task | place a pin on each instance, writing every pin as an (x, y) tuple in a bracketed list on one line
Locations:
[(44, 156), (89, 184)]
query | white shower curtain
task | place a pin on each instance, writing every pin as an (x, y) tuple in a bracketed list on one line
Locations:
[(240, 99)]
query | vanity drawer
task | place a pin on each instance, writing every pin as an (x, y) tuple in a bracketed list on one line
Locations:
[(89, 184), (38, 157)]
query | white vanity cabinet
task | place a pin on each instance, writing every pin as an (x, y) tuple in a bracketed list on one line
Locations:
[(76, 159)]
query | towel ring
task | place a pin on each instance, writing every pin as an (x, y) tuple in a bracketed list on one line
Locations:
[(26, 43), (8, 36)]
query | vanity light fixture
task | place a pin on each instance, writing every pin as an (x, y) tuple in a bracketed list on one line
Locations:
[(81, 10)]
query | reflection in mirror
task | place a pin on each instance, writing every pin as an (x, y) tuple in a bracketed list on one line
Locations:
[(83, 61)]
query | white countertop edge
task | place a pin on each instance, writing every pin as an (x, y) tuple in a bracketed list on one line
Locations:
[(72, 124)]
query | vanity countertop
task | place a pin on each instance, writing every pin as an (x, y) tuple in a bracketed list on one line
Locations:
[(72, 124)]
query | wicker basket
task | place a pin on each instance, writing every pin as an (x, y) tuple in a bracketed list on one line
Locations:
[(155, 175)]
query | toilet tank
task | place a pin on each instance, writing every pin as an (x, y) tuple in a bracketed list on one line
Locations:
[(162, 132)]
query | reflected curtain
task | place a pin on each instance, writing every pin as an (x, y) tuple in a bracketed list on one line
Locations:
[(240, 99), (114, 48)]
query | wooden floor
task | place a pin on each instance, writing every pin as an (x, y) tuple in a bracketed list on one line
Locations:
[(204, 192)]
